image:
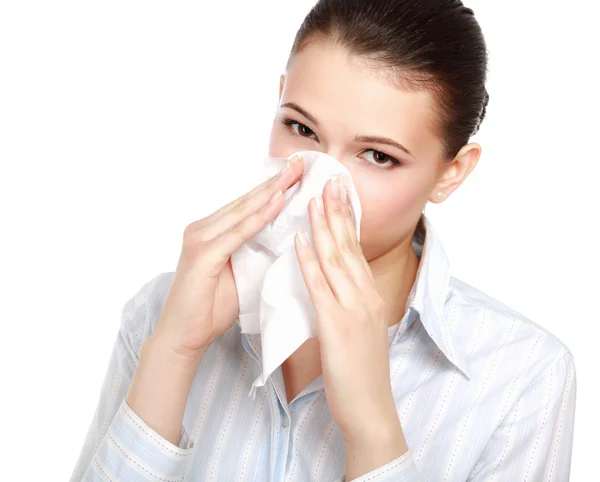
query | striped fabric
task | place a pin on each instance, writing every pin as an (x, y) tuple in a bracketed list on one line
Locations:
[(482, 393)]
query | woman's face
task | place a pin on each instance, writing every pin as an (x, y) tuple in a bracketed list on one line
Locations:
[(333, 106)]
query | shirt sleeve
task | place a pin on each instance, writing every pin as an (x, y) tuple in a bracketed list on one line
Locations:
[(119, 445), (402, 469), (534, 442)]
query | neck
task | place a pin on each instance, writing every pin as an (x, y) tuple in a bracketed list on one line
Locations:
[(395, 272)]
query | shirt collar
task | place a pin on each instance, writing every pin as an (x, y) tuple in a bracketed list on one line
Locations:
[(429, 292)]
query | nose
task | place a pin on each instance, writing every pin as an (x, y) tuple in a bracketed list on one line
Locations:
[(335, 153)]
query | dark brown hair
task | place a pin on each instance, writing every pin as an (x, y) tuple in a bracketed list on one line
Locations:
[(419, 44)]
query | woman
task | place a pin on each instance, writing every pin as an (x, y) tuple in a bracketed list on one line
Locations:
[(414, 375)]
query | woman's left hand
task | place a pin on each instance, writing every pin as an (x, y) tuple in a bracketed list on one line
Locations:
[(351, 326)]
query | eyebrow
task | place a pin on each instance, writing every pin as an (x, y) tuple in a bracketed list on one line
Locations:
[(366, 139), (383, 140), (297, 108)]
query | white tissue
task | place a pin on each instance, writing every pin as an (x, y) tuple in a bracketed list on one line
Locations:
[(273, 297)]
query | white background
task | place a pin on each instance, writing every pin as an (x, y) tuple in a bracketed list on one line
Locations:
[(122, 122)]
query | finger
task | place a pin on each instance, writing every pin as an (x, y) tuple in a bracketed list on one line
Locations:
[(343, 232), (322, 297), (332, 264), (350, 220), (234, 212), (349, 217), (351, 226), (283, 180), (233, 238)]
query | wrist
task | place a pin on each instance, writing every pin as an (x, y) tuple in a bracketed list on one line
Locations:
[(371, 445), (379, 427), (175, 354)]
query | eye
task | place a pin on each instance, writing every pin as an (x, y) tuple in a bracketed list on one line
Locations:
[(299, 128), (381, 160)]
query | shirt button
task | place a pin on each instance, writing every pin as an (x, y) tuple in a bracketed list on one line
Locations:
[(285, 422)]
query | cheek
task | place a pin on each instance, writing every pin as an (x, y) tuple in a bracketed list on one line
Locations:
[(386, 198), (390, 208), (385, 207)]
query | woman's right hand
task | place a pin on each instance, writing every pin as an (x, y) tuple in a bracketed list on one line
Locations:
[(203, 301)]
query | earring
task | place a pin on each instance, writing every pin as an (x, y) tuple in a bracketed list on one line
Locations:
[(439, 195)]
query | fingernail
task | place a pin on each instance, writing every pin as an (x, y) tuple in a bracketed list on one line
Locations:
[(275, 197), (335, 187), (302, 238), (285, 168), (319, 203), (289, 164)]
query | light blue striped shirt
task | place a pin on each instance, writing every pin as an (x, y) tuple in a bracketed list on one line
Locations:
[(482, 393)]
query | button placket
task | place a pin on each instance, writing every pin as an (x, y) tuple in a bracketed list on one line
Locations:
[(283, 449)]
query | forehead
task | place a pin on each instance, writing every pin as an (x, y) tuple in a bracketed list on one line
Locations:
[(353, 97)]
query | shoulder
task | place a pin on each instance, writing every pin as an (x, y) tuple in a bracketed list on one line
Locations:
[(492, 333), (142, 310)]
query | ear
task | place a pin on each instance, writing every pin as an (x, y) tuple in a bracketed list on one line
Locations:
[(281, 84), (455, 172)]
